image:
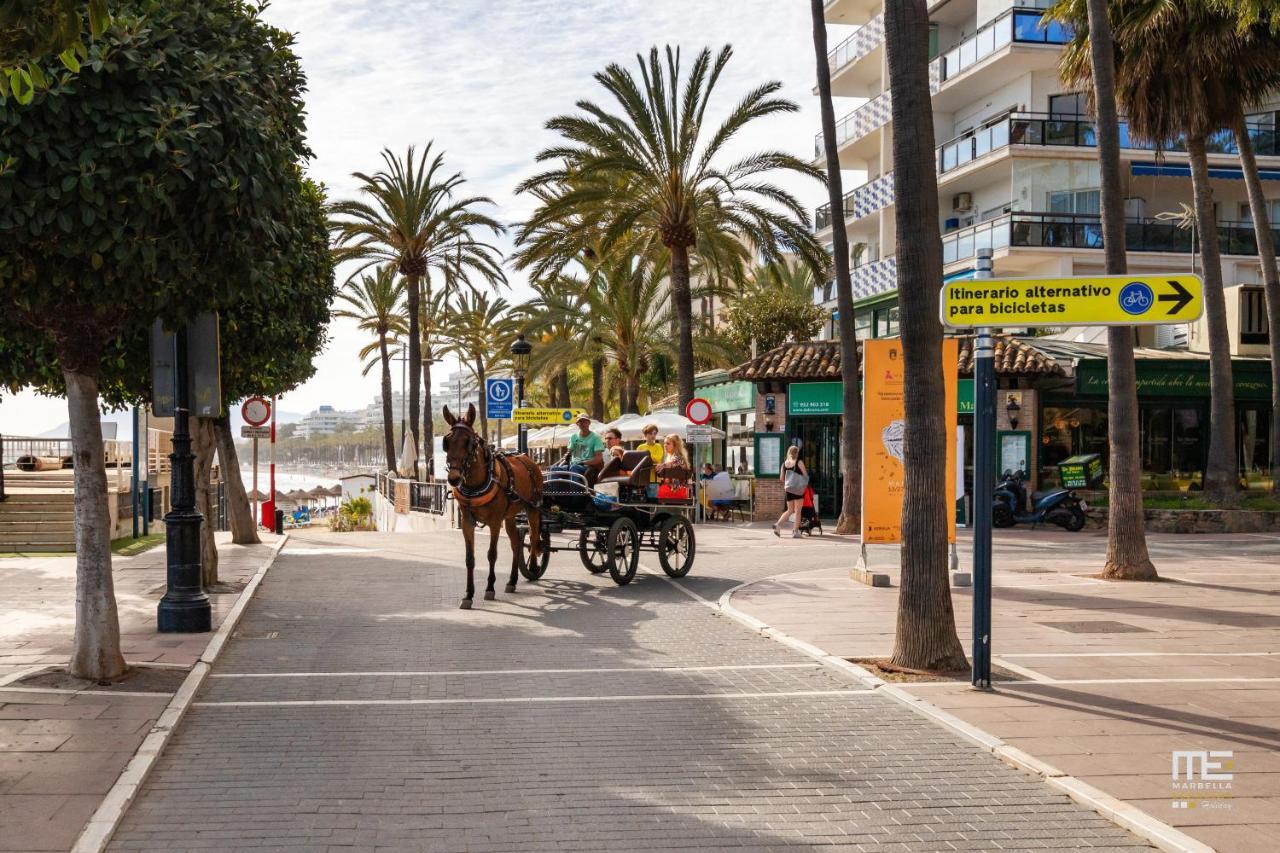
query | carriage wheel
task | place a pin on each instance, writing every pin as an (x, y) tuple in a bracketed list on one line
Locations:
[(622, 546), (591, 550), (676, 546), (543, 558)]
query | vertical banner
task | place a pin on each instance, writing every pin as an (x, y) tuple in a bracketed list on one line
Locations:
[(883, 416)]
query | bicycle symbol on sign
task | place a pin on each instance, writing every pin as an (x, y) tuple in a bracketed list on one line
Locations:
[(1136, 297)]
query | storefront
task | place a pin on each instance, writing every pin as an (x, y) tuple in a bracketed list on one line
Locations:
[(814, 421), (733, 410)]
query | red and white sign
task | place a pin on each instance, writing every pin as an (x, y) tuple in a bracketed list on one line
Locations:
[(698, 411), (256, 411)]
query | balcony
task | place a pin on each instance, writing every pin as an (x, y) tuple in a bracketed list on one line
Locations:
[(848, 80), (1084, 231), (1015, 26), (866, 199), (850, 11)]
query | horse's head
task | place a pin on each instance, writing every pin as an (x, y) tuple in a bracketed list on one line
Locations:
[(461, 445)]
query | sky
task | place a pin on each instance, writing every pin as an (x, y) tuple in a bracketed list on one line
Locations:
[(478, 79)]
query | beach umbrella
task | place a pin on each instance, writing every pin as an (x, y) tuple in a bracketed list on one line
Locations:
[(335, 491), (255, 495), (281, 497), (299, 496)]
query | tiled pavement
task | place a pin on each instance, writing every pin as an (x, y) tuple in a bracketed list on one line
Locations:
[(359, 709)]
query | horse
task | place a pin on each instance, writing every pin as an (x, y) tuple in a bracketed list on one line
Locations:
[(492, 491)]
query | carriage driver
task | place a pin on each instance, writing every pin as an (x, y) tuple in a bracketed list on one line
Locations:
[(586, 449)]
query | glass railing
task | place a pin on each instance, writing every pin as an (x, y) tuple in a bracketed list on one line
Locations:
[(863, 41), (1025, 26), (1084, 231)]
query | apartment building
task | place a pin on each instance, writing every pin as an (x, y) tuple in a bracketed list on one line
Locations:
[(1018, 173), (327, 420)]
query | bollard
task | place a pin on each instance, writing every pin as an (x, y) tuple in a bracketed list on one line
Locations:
[(279, 521)]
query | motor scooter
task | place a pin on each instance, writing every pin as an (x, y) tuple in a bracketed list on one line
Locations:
[(1062, 507)]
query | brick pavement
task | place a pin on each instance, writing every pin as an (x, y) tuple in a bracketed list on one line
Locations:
[(1119, 674), (61, 749), (357, 708)]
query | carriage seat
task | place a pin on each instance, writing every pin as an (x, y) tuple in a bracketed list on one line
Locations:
[(638, 462), (674, 471)]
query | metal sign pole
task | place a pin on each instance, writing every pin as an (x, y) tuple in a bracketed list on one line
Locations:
[(256, 514), (984, 431)]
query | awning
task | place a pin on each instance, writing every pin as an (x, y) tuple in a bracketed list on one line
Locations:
[(1164, 170)]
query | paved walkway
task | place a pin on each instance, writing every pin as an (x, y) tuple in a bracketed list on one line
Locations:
[(1118, 675), (63, 743), (358, 708)]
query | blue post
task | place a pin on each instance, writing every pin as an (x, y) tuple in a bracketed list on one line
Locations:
[(984, 435)]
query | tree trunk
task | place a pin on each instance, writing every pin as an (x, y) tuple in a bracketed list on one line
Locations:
[(244, 530), (850, 520), (597, 388), (1270, 281), (1127, 556), (484, 420), (926, 628), (562, 385), (205, 443), (428, 418), (415, 358), (1221, 479), (95, 649), (684, 324), (388, 415)]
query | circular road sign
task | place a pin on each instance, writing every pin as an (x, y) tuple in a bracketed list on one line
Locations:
[(698, 411), (256, 411)]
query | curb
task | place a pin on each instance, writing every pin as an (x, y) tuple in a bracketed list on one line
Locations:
[(1124, 815), (98, 831)]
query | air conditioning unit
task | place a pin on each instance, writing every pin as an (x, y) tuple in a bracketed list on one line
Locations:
[(962, 202)]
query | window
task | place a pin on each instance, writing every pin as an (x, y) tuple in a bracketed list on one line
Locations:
[(1069, 105), (1273, 212), (862, 324), (1075, 201), (1253, 316), (886, 322)]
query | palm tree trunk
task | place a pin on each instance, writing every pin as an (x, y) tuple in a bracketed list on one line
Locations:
[(244, 530), (415, 359), (484, 420), (1270, 280), (680, 294), (428, 418), (597, 388), (1127, 556), (1221, 480), (388, 415), (850, 520), (562, 386), (95, 649), (205, 443), (926, 628)]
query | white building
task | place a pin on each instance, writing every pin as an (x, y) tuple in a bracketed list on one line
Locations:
[(457, 391), (327, 420), (1018, 170), (371, 417)]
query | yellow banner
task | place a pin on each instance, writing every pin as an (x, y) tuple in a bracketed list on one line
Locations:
[(543, 416), (1088, 300), (883, 417)]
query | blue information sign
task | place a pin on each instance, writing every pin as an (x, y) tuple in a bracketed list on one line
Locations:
[(499, 395)]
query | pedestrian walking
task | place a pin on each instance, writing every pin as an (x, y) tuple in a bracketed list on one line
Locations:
[(795, 479)]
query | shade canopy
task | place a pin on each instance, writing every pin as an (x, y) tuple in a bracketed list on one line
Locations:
[(298, 495), (632, 426), (318, 492), (255, 495), (334, 491)]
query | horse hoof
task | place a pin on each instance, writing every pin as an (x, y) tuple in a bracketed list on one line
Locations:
[(511, 587), (465, 605), (489, 595)]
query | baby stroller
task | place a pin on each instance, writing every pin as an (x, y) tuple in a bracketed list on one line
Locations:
[(809, 520)]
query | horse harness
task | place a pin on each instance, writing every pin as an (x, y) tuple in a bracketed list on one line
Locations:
[(482, 495)]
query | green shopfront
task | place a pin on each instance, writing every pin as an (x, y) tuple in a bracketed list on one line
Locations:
[(733, 410), (1173, 408)]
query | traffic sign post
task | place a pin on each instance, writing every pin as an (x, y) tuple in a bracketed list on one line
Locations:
[(543, 417), (1083, 300), (499, 398), (256, 411), (698, 434), (698, 410)]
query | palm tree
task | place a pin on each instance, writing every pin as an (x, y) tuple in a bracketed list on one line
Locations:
[(557, 319), (1173, 78), (375, 303), (479, 331), (851, 424), (926, 627), (409, 217), (649, 172)]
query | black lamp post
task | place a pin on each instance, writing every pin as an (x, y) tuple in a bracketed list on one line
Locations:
[(185, 608), (520, 349)]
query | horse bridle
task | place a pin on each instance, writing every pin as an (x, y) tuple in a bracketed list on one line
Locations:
[(474, 445)]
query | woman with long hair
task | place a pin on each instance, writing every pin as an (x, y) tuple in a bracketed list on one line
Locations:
[(794, 477)]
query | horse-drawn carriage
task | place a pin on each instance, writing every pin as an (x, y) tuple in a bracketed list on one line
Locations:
[(616, 518)]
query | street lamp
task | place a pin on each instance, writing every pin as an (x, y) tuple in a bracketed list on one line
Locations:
[(520, 349)]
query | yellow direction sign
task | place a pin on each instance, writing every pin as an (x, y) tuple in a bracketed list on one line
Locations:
[(543, 416), (1083, 300)]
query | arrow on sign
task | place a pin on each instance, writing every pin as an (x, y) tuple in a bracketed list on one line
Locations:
[(1181, 296)]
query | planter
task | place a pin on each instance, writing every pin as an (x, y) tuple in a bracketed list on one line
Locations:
[(1200, 520)]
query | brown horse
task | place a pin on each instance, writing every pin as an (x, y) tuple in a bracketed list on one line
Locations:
[(491, 489)]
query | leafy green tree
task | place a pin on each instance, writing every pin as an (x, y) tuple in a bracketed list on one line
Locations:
[(409, 216), (374, 302), (31, 30), (771, 317), (173, 200), (652, 171)]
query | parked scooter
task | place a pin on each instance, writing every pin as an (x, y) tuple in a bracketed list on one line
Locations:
[(1062, 507)]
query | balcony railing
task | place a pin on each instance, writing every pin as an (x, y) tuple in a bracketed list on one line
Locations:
[(1018, 25), (864, 40), (1084, 231)]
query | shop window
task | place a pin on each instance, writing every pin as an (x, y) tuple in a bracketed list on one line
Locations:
[(886, 322), (1255, 444), (1068, 431)]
